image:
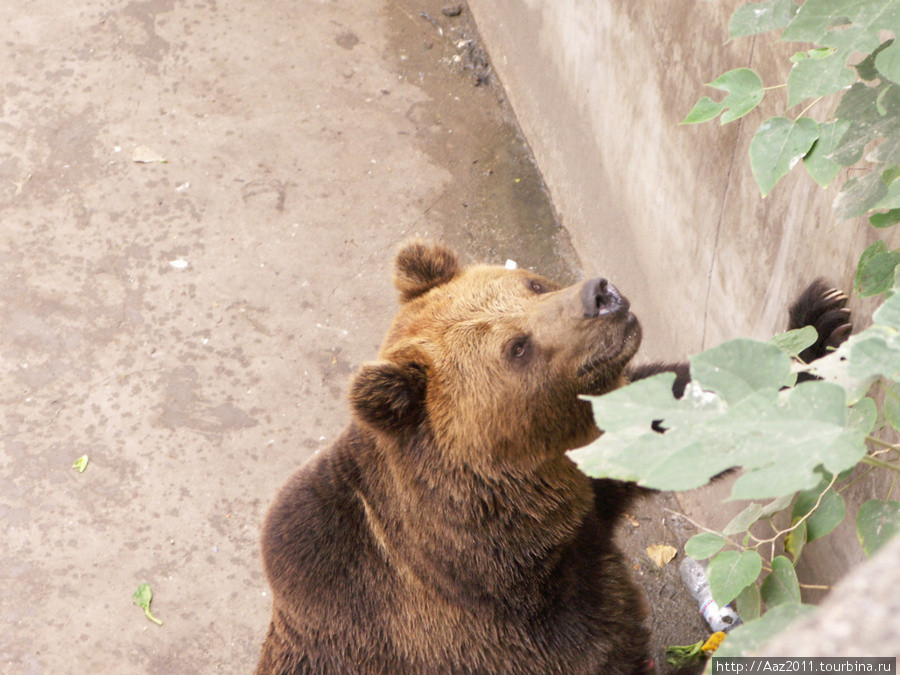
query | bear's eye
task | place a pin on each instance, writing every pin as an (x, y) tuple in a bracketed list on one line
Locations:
[(536, 286), (519, 349)]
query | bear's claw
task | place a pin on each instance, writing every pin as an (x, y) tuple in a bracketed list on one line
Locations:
[(824, 308)]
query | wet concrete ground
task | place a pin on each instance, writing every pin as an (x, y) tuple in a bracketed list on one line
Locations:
[(190, 325)]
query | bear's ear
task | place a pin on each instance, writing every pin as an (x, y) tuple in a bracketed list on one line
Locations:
[(421, 266), (388, 396)]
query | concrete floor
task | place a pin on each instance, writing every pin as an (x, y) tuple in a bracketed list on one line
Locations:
[(191, 325)]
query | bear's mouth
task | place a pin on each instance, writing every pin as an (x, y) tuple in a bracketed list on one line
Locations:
[(615, 353)]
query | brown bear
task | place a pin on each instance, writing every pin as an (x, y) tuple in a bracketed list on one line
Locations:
[(446, 530)]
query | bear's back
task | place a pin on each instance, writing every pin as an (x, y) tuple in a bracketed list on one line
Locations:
[(343, 605)]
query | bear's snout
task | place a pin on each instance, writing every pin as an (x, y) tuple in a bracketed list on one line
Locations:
[(599, 297)]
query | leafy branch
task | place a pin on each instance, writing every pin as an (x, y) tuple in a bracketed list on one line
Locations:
[(795, 445), (863, 131)]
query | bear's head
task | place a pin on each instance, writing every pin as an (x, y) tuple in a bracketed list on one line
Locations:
[(486, 364)]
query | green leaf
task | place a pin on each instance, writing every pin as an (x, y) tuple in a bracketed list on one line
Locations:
[(875, 273), (866, 68), (683, 656), (704, 545), (811, 420), (811, 21), (795, 341), (887, 61), (863, 415), (868, 18), (738, 368), (749, 603), (730, 572), (892, 406), (812, 78), (889, 175), (704, 110), (761, 17), (818, 162), (745, 91), (638, 404), (777, 505), (874, 353), (889, 313), (777, 147), (824, 519), (891, 199), (781, 585), (732, 414), (834, 367), (876, 523), (795, 540), (142, 597), (859, 196), (81, 464), (873, 113), (885, 220), (870, 252), (742, 521), (859, 104), (752, 635)]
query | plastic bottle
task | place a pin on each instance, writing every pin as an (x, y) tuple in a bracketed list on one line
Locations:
[(718, 618)]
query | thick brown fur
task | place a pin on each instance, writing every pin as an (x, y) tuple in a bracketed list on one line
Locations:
[(446, 530)]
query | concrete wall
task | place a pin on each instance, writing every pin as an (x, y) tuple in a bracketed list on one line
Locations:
[(671, 213)]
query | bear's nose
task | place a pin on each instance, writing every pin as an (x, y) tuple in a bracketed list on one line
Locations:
[(599, 297)]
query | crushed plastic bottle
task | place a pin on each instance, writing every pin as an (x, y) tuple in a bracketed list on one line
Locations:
[(718, 618)]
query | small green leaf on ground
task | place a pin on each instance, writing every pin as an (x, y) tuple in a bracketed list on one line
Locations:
[(81, 464), (777, 147), (876, 523), (682, 656), (142, 597), (781, 586), (730, 572), (704, 545)]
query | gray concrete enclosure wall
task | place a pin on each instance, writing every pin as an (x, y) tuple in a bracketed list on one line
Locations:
[(670, 212)]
